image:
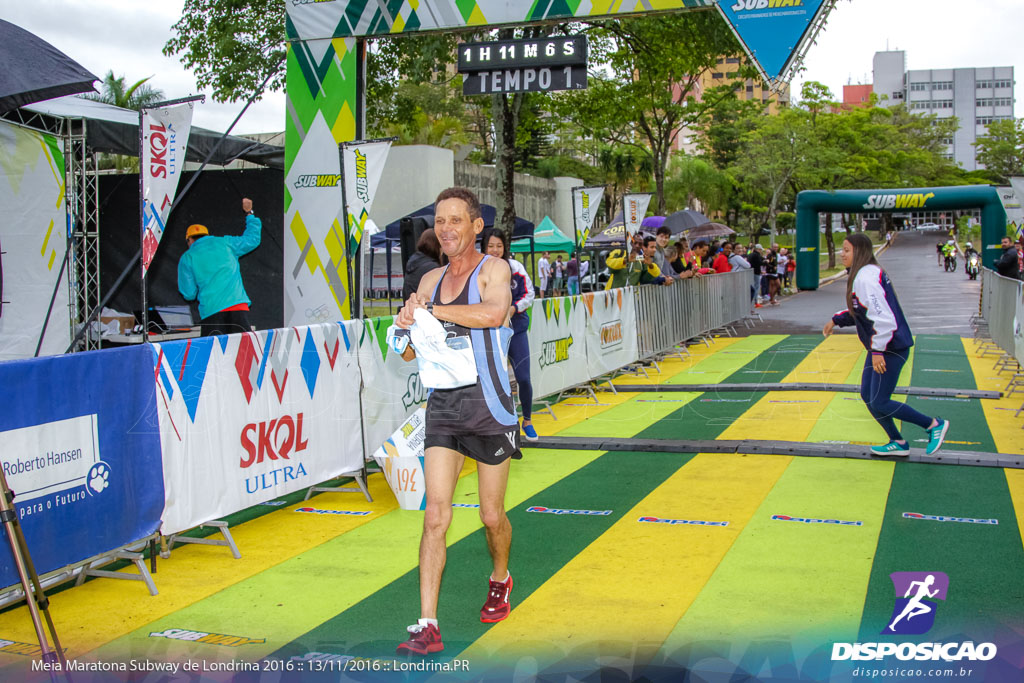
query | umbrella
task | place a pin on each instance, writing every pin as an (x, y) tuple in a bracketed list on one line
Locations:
[(709, 231), (653, 222), (34, 70), (687, 219)]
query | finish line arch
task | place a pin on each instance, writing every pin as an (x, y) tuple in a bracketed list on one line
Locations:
[(810, 203), (325, 84)]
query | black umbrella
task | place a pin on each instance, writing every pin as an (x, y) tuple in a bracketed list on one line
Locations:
[(684, 220), (33, 70)]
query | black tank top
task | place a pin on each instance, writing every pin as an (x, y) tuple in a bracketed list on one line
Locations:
[(485, 407)]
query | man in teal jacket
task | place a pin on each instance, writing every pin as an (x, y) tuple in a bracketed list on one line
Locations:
[(209, 271)]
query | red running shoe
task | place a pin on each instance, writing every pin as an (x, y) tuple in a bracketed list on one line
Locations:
[(424, 640), (497, 608)]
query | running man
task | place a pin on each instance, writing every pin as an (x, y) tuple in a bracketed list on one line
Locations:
[(472, 297), (915, 607)]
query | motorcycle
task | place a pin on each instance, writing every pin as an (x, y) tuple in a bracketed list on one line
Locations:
[(973, 266), (951, 263)]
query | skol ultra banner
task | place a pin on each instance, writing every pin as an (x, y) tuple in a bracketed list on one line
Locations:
[(634, 208), (558, 349), (162, 159), (33, 241), (392, 390), (249, 417), (611, 329), (83, 456), (363, 163), (586, 201)]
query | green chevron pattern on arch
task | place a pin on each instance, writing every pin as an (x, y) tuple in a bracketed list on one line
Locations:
[(810, 203)]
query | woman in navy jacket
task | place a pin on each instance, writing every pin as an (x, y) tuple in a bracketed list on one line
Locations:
[(873, 308)]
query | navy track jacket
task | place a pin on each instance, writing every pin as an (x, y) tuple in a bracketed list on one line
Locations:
[(876, 313)]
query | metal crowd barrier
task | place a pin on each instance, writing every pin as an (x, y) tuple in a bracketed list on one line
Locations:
[(667, 316), (1002, 302)]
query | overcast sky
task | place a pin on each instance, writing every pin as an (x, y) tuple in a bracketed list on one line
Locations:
[(127, 36)]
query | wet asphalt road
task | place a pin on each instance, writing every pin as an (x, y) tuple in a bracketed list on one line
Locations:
[(933, 301)]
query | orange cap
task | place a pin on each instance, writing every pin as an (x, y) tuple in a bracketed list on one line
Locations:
[(195, 231)]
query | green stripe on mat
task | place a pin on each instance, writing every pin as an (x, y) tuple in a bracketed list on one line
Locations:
[(941, 361), (795, 579), (541, 544), (984, 561), (290, 598), (374, 626), (634, 415)]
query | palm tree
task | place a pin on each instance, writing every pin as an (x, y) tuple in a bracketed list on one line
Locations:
[(136, 96)]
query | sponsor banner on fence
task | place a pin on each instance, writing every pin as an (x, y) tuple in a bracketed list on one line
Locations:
[(249, 417), (558, 349), (401, 459), (611, 329), (391, 387), (83, 457), (33, 240), (165, 133)]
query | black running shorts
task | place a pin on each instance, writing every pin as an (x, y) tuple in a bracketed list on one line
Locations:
[(490, 449)]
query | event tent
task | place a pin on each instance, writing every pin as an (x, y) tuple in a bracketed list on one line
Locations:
[(546, 237)]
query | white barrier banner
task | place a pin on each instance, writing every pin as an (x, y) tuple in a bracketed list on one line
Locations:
[(558, 349), (391, 387), (249, 417), (611, 329), (33, 241), (165, 133)]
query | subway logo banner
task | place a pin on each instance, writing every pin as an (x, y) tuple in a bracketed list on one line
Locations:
[(363, 164), (585, 201), (85, 458), (558, 351), (249, 417), (771, 31)]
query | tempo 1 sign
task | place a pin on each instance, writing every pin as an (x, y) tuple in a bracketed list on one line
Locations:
[(531, 65)]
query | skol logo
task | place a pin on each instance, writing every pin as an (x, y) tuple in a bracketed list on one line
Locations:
[(362, 184), (910, 200), (274, 439), (318, 180), (555, 351), (741, 5), (158, 142)]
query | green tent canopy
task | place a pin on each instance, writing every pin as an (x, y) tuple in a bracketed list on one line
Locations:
[(546, 237)]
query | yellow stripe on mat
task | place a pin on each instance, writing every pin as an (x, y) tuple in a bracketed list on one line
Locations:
[(629, 588)]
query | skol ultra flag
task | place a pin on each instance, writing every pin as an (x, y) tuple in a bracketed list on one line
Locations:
[(164, 140), (634, 208), (362, 165), (586, 201)]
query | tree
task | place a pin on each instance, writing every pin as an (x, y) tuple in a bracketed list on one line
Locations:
[(644, 91), (231, 45), (691, 179), (1002, 149), (136, 96), (625, 168)]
